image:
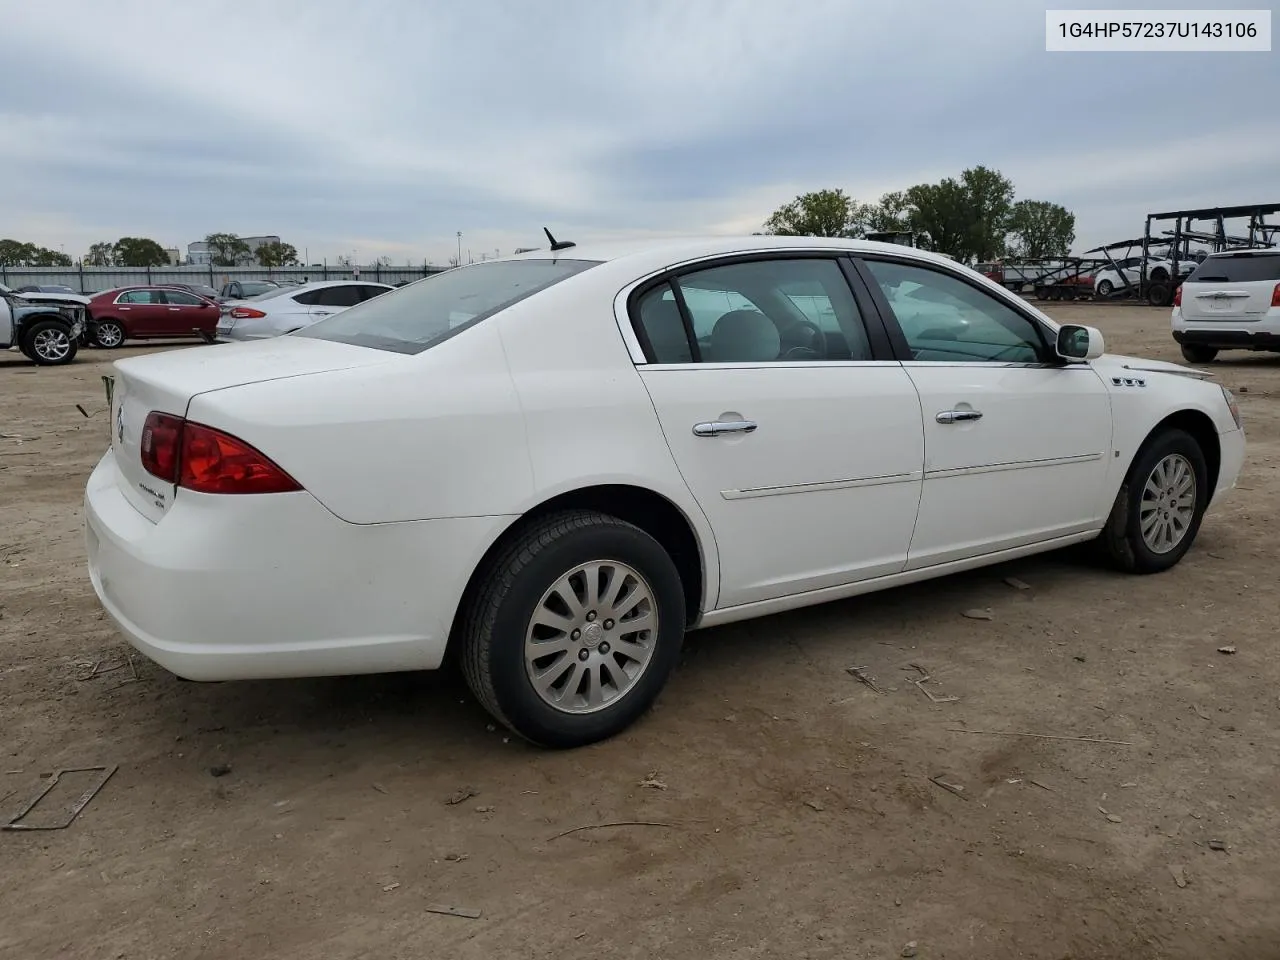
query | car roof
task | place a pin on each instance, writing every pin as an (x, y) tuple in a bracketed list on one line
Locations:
[(676, 249), (1247, 252)]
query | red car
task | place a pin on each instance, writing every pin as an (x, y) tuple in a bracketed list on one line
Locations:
[(149, 313)]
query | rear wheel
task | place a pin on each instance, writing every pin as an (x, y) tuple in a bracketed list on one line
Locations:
[(108, 334), (1193, 353), (1157, 513), (49, 343), (574, 629), (1159, 294), (1105, 288)]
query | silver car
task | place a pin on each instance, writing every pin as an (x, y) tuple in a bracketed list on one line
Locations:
[(287, 309)]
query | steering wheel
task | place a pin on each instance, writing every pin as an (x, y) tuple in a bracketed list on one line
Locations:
[(807, 341)]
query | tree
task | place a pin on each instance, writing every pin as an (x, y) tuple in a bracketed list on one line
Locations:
[(939, 216), (988, 198), (101, 254), (890, 214), (226, 249), (277, 254), (15, 253), (1041, 229), (140, 252), (823, 213)]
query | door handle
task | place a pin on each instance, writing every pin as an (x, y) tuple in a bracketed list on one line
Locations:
[(716, 427), (958, 416), (174, 309)]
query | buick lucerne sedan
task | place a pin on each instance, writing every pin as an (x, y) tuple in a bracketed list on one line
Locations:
[(554, 465)]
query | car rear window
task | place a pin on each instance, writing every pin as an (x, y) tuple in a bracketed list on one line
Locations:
[(413, 318), (1237, 268)]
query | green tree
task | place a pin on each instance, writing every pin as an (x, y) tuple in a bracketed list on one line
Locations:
[(276, 254), (890, 214), (822, 213), (101, 254), (939, 216), (139, 252), (988, 198), (15, 253), (1041, 229), (226, 249)]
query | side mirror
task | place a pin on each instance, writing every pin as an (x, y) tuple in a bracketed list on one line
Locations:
[(1080, 344)]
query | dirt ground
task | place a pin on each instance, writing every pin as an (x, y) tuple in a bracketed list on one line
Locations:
[(790, 808)]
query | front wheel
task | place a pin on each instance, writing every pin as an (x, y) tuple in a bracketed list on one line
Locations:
[(108, 334), (49, 343), (574, 629), (1157, 513), (1193, 353)]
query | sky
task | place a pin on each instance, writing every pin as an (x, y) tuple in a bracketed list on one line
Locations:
[(385, 127)]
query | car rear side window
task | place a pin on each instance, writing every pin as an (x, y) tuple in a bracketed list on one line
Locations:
[(755, 311), (416, 317), (1238, 268)]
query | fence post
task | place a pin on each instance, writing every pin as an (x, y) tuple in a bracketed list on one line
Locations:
[(148, 274), (211, 273)]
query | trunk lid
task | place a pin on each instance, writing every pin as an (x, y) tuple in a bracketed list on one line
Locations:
[(1231, 286), (167, 382)]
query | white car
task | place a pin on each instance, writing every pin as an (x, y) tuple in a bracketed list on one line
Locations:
[(1230, 302), (286, 309), (554, 467), (1107, 280)]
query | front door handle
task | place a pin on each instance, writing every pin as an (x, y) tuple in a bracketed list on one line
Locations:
[(716, 427), (958, 416), (174, 309)]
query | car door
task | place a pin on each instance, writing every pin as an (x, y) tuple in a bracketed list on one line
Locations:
[(795, 430), (189, 313), (143, 313), (1016, 443), (331, 300)]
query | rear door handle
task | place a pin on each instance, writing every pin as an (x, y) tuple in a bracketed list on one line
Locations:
[(958, 416), (174, 309), (716, 427)]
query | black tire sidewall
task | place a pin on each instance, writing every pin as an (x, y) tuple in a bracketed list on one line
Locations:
[(1161, 446), (519, 704), (29, 342), (1197, 354)]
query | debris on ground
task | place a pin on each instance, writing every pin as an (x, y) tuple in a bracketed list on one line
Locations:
[(379, 787), (1217, 845), (612, 823), (1036, 783), (1040, 736), (1179, 876), (955, 788), (1200, 713), (814, 805), (458, 796), (466, 912), (390, 886), (219, 769), (909, 950), (455, 857), (1017, 584), (652, 781), (104, 774), (1111, 817), (978, 614), (924, 678), (484, 809), (860, 674), (1227, 649)]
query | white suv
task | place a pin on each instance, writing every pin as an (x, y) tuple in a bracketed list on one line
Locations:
[(1230, 302)]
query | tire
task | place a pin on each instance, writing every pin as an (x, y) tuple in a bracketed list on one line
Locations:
[(108, 334), (1105, 288), (1159, 295), (49, 343), (1194, 353), (530, 575), (1177, 454)]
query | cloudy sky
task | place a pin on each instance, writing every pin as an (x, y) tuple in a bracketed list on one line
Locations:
[(383, 127)]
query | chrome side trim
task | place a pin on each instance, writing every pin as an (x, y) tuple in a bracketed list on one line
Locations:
[(1011, 465), (821, 485)]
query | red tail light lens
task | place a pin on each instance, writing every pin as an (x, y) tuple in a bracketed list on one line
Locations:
[(1275, 296), (161, 443), (1177, 297), (206, 460), (246, 313)]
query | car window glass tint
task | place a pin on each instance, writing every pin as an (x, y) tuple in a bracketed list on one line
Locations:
[(773, 310), (658, 319), (1237, 268), (948, 320)]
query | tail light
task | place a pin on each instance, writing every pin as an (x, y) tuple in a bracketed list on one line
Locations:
[(246, 313), (1177, 296), (1275, 296), (206, 460)]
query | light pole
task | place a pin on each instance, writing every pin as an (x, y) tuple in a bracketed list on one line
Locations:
[(459, 248)]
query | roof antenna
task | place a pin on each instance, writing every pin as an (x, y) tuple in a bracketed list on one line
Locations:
[(558, 244)]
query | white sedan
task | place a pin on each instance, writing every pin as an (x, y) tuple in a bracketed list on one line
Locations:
[(286, 309), (554, 465)]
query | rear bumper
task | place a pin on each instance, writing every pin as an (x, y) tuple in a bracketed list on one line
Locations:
[(248, 587), (1229, 339)]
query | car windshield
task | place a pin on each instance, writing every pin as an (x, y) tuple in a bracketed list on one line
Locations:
[(250, 289), (1237, 268), (413, 318)]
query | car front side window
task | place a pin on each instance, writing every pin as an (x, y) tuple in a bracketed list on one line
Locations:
[(947, 320), (758, 311)]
